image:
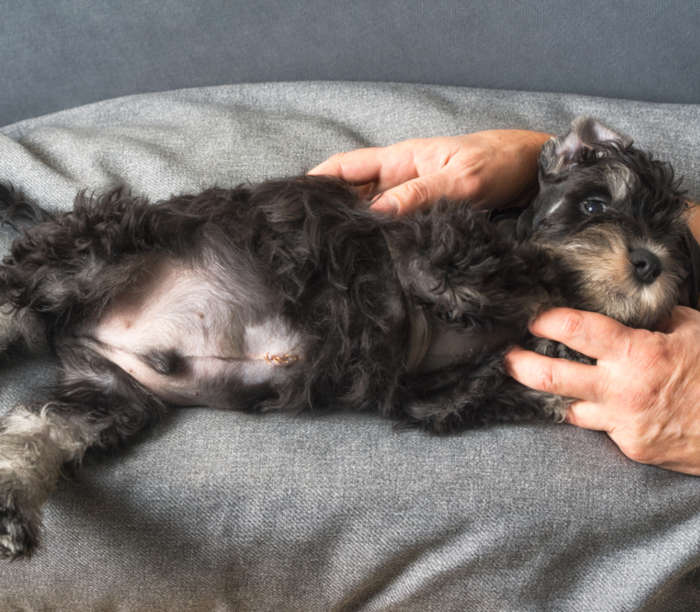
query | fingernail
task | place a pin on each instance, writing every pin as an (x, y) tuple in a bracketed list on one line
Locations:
[(387, 204)]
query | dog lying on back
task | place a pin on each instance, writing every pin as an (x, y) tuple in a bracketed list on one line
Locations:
[(291, 294)]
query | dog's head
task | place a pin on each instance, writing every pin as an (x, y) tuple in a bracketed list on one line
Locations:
[(615, 217)]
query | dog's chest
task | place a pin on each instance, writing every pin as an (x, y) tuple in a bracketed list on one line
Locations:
[(184, 336)]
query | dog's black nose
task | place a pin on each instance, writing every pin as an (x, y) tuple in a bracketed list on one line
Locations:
[(647, 266)]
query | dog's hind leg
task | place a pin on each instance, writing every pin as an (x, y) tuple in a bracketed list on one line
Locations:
[(95, 405), (34, 445)]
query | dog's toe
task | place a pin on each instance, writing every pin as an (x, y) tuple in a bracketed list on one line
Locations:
[(18, 536)]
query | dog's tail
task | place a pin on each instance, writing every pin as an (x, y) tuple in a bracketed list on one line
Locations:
[(19, 212)]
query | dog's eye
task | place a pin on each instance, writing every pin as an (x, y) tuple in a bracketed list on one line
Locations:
[(593, 206)]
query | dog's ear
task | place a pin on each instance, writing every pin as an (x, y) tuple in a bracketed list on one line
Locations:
[(583, 139)]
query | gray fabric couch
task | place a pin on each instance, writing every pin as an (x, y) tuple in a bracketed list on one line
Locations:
[(226, 511)]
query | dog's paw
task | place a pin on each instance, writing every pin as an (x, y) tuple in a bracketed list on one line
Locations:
[(19, 534)]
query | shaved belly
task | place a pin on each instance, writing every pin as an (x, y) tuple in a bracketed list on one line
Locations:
[(180, 334)]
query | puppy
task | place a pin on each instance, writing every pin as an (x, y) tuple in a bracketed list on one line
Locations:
[(291, 294)]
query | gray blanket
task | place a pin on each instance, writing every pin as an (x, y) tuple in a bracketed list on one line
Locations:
[(226, 511)]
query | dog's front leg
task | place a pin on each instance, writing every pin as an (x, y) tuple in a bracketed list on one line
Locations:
[(478, 396)]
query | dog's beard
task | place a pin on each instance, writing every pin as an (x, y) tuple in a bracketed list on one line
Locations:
[(599, 256)]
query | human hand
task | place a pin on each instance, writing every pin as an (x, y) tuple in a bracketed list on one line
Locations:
[(644, 390), (490, 168)]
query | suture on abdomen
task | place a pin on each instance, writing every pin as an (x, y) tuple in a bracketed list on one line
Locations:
[(171, 363)]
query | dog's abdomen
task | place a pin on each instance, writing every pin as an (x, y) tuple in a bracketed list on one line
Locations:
[(184, 338)]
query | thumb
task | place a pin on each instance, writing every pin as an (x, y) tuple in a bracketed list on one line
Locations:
[(412, 194)]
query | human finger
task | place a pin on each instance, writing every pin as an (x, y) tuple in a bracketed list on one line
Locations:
[(590, 333), (414, 194), (558, 376), (589, 415), (358, 166)]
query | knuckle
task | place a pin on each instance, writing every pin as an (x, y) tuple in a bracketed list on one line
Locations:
[(656, 350), (640, 398), (416, 192), (472, 181), (545, 379), (647, 350), (469, 186), (477, 183), (572, 324)]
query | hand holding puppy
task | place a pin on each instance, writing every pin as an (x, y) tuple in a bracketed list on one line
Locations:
[(644, 390)]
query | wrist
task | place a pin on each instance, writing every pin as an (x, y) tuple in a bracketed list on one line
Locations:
[(525, 153)]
